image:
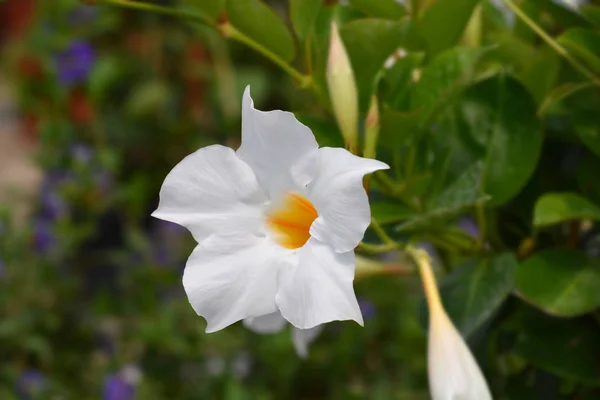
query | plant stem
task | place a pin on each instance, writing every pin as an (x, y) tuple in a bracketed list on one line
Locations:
[(552, 42), (137, 5), (377, 248), (229, 31), (382, 234)]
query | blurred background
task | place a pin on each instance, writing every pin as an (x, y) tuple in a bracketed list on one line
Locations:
[(98, 102)]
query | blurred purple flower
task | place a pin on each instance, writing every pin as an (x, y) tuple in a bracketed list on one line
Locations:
[(104, 181), (116, 388), (469, 226), (367, 309), (30, 383), (43, 237), (82, 15), (75, 63)]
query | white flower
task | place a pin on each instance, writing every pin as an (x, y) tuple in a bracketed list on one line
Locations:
[(277, 222), (453, 372), (273, 323)]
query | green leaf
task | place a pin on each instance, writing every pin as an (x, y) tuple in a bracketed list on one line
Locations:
[(587, 126), (256, 20), (473, 292), (398, 82), (560, 282), (499, 117), (567, 348), (442, 79), (398, 128), (560, 93), (592, 13), (388, 9), (553, 208), (584, 44), (461, 194), (303, 14), (444, 23), (360, 37), (386, 212), (541, 73), (566, 16), (210, 9)]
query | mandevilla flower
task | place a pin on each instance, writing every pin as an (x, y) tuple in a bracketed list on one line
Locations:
[(277, 222), (453, 372)]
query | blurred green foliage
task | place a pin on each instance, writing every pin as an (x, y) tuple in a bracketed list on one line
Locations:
[(482, 120)]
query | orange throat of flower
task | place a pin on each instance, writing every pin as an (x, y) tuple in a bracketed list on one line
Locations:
[(290, 220)]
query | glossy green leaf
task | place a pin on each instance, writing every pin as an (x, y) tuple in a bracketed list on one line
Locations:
[(303, 14), (442, 79), (461, 194), (367, 59), (444, 23), (259, 22), (209, 9), (473, 292), (584, 44), (560, 282), (553, 208), (498, 116), (565, 347), (386, 212), (389, 9)]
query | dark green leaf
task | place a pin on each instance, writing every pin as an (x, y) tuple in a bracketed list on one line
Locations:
[(210, 9), (553, 208), (592, 13), (387, 212), (256, 20), (587, 126), (447, 74), (461, 194), (389, 9), (367, 59), (560, 282), (587, 177), (473, 292), (398, 128), (499, 116), (444, 23), (584, 44), (560, 93), (303, 14), (567, 348)]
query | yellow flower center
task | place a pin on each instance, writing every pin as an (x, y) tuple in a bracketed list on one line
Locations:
[(290, 220)]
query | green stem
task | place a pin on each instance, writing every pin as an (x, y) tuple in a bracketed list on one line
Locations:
[(481, 224), (160, 10), (229, 31), (382, 234), (551, 42), (377, 248)]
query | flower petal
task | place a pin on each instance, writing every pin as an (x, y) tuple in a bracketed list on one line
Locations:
[(270, 323), (453, 372), (273, 144), (302, 338), (231, 278), (340, 198), (318, 289), (212, 191)]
